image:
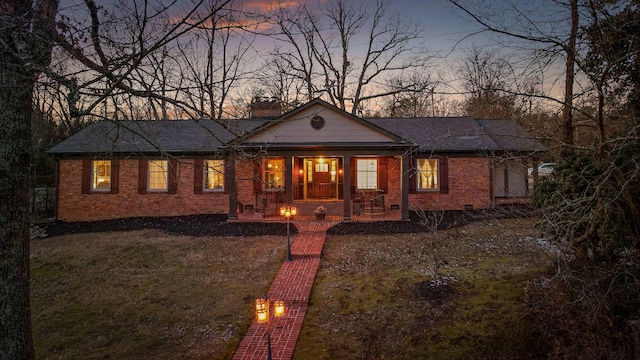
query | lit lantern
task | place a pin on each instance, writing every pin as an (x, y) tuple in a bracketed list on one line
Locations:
[(278, 308), (262, 311), (283, 211), (294, 211)]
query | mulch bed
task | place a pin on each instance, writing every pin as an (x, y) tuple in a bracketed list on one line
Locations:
[(217, 225), (192, 225)]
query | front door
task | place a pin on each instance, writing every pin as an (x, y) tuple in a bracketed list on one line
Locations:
[(321, 180)]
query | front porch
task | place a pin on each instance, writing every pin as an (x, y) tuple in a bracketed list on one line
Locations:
[(351, 187), (334, 213)]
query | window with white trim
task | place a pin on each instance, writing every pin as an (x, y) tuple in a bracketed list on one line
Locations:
[(213, 175), (367, 173), (101, 175), (427, 171), (158, 175)]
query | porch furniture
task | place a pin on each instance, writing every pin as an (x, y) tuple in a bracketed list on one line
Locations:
[(358, 203), (371, 201), (269, 202)]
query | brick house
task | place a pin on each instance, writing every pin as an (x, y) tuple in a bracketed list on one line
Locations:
[(313, 155)]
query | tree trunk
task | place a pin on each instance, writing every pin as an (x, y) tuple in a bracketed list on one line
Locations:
[(15, 159), (567, 113), (24, 48)]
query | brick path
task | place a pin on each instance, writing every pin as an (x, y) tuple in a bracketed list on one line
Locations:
[(293, 285)]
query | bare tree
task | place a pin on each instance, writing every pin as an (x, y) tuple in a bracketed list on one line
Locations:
[(543, 36), (214, 74), (298, 59), (489, 80), (324, 57), (25, 30), (277, 79), (416, 102), (123, 49), (107, 58)]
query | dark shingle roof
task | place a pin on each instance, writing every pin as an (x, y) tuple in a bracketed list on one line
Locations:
[(439, 134), (460, 134), (510, 136), (147, 136), (444, 134)]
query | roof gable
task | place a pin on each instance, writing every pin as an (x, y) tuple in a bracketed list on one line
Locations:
[(319, 123)]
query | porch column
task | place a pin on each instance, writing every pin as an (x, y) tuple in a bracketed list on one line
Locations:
[(404, 180), (346, 187), (230, 185), (288, 180)]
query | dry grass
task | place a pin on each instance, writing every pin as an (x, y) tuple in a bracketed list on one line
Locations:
[(146, 294), (375, 295), (149, 295)]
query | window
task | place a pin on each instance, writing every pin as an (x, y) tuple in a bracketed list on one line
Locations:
[(322, 167), (317, 122), (367, 173), (274, 174), (158, 173), (101, 175), (213, 175), (334, 168), (427, 174)]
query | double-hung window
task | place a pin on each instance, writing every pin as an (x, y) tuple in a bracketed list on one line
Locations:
[(101, 175), (367, 173), (274, 174), (427, 174), (213, 175), (158, 175)]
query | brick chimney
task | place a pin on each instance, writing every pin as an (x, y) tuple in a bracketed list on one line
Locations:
[(264, 107)]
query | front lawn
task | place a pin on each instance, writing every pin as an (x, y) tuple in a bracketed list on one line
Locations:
[(375, 296), (147, 295)]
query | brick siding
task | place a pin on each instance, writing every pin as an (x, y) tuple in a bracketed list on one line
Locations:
[(75, 206), (394, 195), (469, 184)]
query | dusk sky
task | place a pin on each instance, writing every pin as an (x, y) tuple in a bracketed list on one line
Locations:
[(447, 32)]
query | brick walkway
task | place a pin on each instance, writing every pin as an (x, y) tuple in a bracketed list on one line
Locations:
[(293, 285)]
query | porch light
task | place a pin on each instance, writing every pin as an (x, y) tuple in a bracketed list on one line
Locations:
[(262, 315)]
